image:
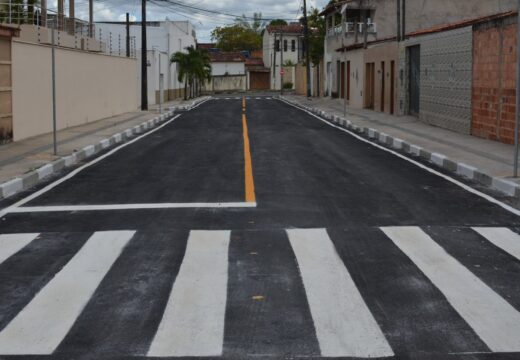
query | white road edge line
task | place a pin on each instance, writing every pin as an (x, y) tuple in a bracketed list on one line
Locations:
[(492, 318), (193, 321), (344, 325), (43, 324), (424, 167), (72, 208), (10, 244), (93, 162)]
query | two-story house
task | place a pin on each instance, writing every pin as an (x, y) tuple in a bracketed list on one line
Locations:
[(365, 61), (282, 43)]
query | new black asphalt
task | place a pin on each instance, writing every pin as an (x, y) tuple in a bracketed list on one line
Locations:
[(307, 175)]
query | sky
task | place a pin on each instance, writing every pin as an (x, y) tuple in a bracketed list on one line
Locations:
[(114, 10)]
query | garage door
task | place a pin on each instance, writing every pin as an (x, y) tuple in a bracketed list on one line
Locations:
[(259, 81)]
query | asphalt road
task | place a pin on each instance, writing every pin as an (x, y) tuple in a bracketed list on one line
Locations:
[(266, 236)]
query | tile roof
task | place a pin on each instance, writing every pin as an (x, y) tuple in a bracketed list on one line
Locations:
[(232, 56), (286, 29)]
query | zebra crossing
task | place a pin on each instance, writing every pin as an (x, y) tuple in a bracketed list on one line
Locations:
[(200, 293)]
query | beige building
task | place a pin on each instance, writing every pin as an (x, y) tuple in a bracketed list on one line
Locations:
[(6, 110)]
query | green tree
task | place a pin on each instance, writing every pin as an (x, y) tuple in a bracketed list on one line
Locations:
[(19, 11), (194, 69), (278, 22), (236, 38), (316, 36)]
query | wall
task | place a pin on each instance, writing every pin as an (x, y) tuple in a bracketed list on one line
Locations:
[(89, 87), (289, 55), (167, 36), (494, 80), (445, 79), (357, 77), (5, 90), (383, 53), (230, 83), (300, 75), (228, 68)]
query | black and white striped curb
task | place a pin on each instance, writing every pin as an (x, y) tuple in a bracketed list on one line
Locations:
[(504, 186), (31, 179)]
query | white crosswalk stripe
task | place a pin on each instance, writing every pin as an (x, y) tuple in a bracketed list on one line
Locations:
[(40, 327), (344, 325), (492, 318), (10, 244), (503, 238), (193, 322)]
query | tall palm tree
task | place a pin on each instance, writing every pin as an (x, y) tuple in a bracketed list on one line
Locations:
[(194, 68)]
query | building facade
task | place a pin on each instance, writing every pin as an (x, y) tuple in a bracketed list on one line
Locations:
[(228, 72), (282, 49), (164, 38)]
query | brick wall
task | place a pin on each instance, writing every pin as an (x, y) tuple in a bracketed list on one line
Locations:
[(494, 80)]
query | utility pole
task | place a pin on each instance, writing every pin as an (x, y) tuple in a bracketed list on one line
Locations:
[(274, 62), (282, 48), (517, 123), (307, 48), (144, 60), (127, 35), (53, 69)]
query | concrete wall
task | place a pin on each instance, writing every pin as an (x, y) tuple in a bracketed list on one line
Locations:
[(89, 87), (5, 90), (300, 84), (229, 83), (167, 37), (378, 54), (228, 68), (445, 79), (494, 80)]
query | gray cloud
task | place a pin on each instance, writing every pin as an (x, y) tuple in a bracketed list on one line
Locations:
[(106, 10)]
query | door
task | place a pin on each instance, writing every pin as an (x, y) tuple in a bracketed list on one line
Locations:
[(414, 87), (348, 80), (392, 87), (259, 80), (383, 86), (342, 80), (369, 85)]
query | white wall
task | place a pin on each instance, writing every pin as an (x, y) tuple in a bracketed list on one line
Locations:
[(169, 37), (228, 68), (289, 55), (89, 87)]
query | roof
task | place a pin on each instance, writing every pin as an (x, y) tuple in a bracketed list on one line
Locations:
[(256, 65), (286, 29), (206, 46), (333, 7), (362, 44), (8, 31), (460, 24), (234, 56)]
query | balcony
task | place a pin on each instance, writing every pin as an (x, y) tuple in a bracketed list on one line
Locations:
[(352, 28)]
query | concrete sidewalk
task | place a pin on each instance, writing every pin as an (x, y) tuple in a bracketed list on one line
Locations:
[(21, 157), (489, 157)]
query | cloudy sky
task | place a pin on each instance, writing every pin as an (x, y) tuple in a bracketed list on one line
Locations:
[(203, 22)]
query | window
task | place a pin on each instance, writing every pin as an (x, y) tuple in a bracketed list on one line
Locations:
[(285, 45), (277, 45), (293, 45)]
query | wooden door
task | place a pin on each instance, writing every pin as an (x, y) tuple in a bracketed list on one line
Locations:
[(369, 85)]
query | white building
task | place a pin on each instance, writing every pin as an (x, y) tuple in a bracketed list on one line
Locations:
[(164, 38), (228, 72), (286, 39)]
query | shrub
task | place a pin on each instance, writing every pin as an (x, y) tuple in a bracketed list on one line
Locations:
[(288, 85)]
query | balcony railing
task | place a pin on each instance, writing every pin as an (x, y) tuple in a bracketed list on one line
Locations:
[(352, 28)]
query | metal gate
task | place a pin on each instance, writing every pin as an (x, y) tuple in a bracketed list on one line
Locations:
[(414, 87)]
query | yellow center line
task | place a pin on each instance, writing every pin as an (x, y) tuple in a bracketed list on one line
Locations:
[(248, 164)]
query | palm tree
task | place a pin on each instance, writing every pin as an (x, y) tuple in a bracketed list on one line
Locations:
[(194, 68)]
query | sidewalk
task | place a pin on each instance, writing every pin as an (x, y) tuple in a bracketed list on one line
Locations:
[(21, 157), (489, 157)]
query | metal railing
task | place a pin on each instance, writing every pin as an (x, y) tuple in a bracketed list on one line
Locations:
[(352, 28), (115, 44), (14, 12)]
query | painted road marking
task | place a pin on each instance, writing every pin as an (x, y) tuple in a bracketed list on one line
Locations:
[(41, 326), (10, 244), (492, 318), (503, 238), (248, 163), (193, 321), (344, 325), (71, 208)]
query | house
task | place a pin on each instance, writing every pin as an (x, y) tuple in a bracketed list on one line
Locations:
[(282, 42), (363, 55), (258, 76), (228, 72), (163, 39)]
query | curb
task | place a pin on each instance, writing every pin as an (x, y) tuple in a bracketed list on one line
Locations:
[(504, 186), (33, 178)]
